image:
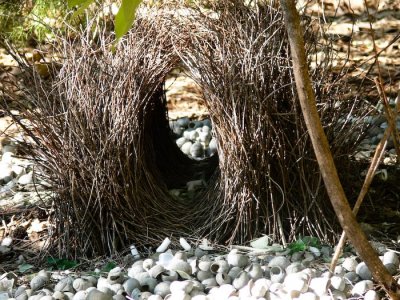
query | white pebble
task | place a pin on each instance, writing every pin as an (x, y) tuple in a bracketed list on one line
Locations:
[(26, 179), (363, 271), (361, 287), (164, 245), (350, 264), (181, 141), (319, 285), (6, 241), (308, 296), (184, 244), (186, 148), (338, 283), (371, 295)]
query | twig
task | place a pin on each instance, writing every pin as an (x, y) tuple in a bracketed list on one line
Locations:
[(324, 156)]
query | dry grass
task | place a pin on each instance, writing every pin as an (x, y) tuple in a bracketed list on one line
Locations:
[(102, 136)]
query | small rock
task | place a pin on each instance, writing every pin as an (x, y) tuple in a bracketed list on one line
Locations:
[(186, 148), (26, 179), (196, 150), (362, 287)]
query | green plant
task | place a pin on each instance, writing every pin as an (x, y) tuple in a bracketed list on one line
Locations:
[(124, 18), (303, 243), (23, 21)]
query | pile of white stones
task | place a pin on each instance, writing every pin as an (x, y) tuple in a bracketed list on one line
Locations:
[(194, 138), (378, 124), (201, 274), (18, 179)]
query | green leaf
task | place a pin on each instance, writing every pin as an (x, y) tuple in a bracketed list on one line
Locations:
[(72, 3), (125, 17), (108, 267), (297, 246), (62, 263), (24, 267)]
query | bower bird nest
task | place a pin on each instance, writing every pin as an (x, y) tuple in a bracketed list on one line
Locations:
[(101, 132)]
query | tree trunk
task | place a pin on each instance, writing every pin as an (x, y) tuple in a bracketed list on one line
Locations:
[(324, 156)]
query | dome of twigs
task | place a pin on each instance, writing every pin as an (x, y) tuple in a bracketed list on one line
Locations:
[(102, 132)]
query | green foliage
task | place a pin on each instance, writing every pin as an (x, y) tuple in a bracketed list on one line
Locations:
[(124, 18), (24, 267), (21, 21), (108, 267), (61, 263), (303, 243)]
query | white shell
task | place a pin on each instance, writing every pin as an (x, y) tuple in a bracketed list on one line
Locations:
[(97, 295), (155, 297), (234, 272), (308, 296), (338, 283), (294, 267), (20, 293), (255, 272), (117, 288), (245, 292), (361, 287), (186, 147), (181, 286), (277, 274), (148, 264), (180, 265), (220, 266), (350, 264), (279, 261), (204, 263), (203, 275), (115, 275), (391, 257), (209, 282), (165, 258), (363, 271), (38, 282), (134, 270), (296, 282), (169, 276), (223, 278), (319, 285), (237, 260), (164, 245), (178, 296), (260, 287), (181, 141), (156, 271), (81, 295), (241, 280), (81, 284), (58, 295), (371, 295), (184, 244), (144, 295), (148, 284), (162, 289), (119, 297), (91, 279), (102, 283), (130, 285)]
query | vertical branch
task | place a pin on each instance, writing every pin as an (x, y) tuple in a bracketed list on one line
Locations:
[(323, 153)]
